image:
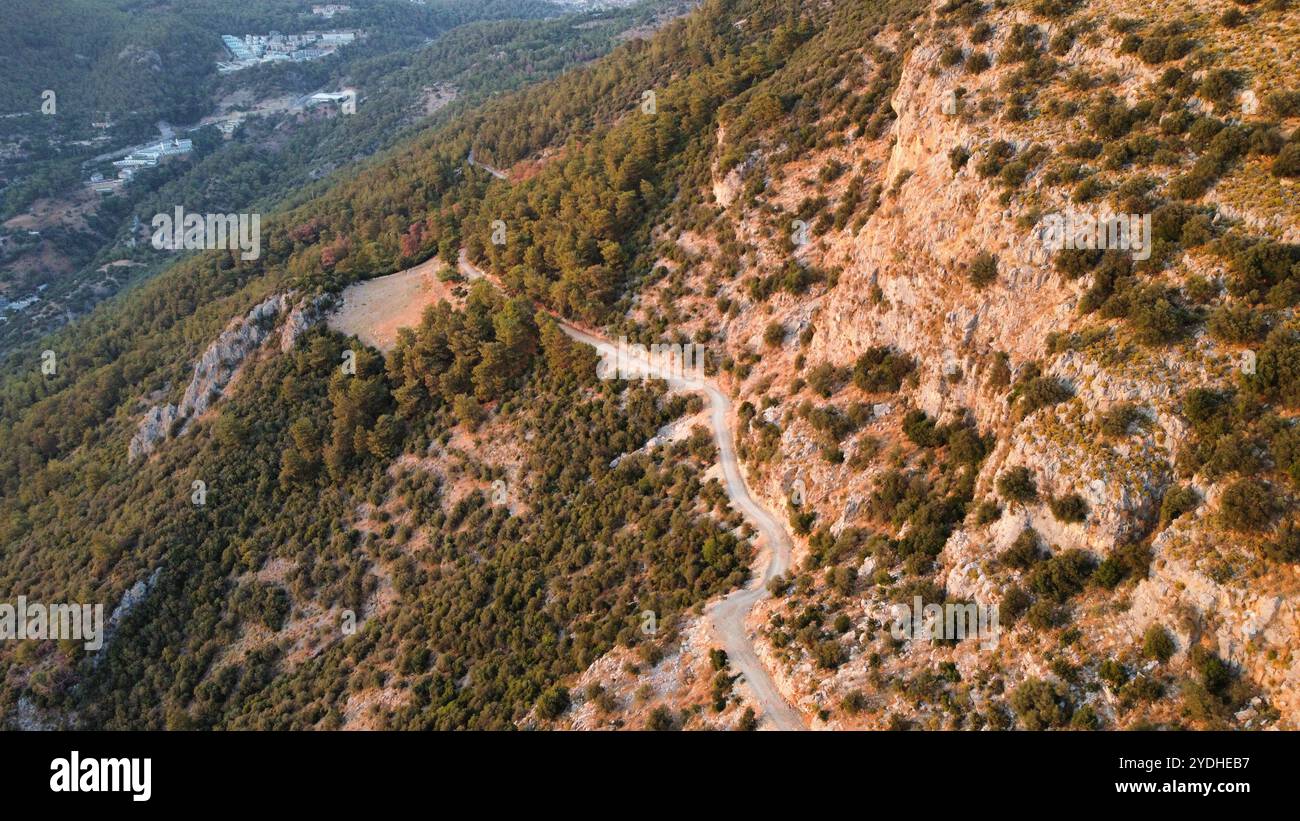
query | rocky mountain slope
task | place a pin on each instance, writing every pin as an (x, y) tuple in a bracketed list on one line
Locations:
[(1104, 510)]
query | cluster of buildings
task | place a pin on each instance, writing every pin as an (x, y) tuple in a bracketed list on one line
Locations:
[(345, 100), (328, 11), (18, 305), (146, 156), (150, 155), (255, 49)]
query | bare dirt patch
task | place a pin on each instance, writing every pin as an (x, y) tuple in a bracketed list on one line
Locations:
[(373, 310), (119, 263), (438, 97), (242, 103), (69, 211)]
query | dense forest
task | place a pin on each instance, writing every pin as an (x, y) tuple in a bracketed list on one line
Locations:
[(492, 610)]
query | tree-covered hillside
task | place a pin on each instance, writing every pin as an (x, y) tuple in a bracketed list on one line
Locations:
[(160, 57), (484, 599), (276, 155)]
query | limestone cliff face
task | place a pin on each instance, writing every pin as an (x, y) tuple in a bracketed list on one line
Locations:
[(916, 247), (218, 367)]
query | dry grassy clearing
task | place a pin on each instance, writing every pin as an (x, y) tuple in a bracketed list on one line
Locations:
[(373, 310)]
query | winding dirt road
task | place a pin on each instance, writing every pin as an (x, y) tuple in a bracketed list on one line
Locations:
[(729, 613), (496, 172)]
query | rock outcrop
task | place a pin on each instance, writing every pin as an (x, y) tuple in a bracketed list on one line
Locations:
[(131, 599), (219, 365)]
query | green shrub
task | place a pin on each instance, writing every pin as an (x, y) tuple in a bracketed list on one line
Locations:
[(958, 157), (552, 703), (854, 702), (1075, 262), (1132, 560), (829, 655), (965, 445), (1219, 86), (1286, 547), (748, 721), (1069, 508), (779, 585), (1063, 575), (1040, 705), (920, 429), (1203, 130), (1113, 673), (1063, 41), (1013, 173), (880, 370), (1158, 644), (1237, 324), (1260, 266), (1055, 10), (983, 269), (1215, 673), (1085, 718), (993, 156), (1142, 689), (1248, 505), (1285, 447), (1118, 421), (1000, 370), (1266, 141), (1232, 18), (1084, 149), (1201, 290), (1177, 122), (1282, 103), (1158, 315), (1287, 163), (825, 379), (1015, 603), (1109, 118), (1168, 221), (1044, 615), (1024, 552), (1237, 451), (1165, 48), (1017, 485), (1178, 499), (468, 411), (801, 522), (1088, 190), (1207, 410), (1040, 392), (661, 720), (987, 512)]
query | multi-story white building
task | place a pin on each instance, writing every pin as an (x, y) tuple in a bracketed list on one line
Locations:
[(149, 156)]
